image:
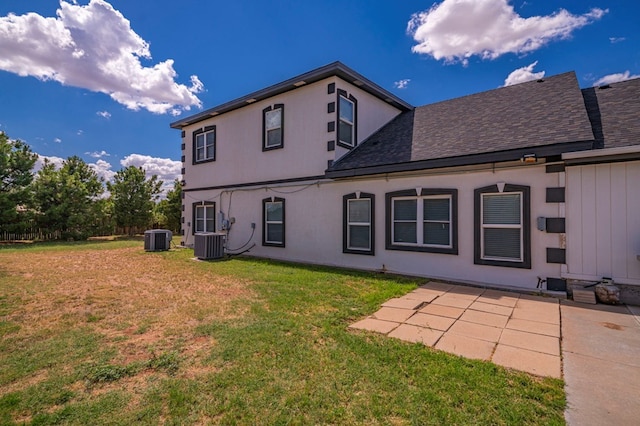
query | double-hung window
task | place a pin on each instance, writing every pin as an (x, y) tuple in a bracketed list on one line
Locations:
[(422, 220), (347, 120), (273, 222), (358, 231), (204, 145), (502, 226), (273, 127), (204, 217)]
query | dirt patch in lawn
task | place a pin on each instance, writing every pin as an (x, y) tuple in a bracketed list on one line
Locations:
[(143, 302)]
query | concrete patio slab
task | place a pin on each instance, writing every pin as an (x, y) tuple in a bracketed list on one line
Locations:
[(497, 297), (466, 346), (456, 302), (393, 314), (533, 342), (416, 334), (435, 285), (534, 327), (403, 303), (477, 331), (423, 295), (372, 324), (471, 291), (490, 308), (524, 360), (600, 392), (538, 314), (442, 310), (484, 318), (431, 321)]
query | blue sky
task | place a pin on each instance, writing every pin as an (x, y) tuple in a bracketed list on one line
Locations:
[(103, 79)]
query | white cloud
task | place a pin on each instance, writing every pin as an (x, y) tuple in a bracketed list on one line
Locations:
[(57, 140), (104, 114), (615, 40), (615, 78), (98, 154), (165, 168), (523, 74), (93, 47), (402, 84), (456, 30), (57, 161), (80, 132), (103, 169)]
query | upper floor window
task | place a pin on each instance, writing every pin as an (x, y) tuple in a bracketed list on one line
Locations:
[(273, 222), (424, 222), (347, 119), (358, 228), (204, 217), (273, 127), (204, 144), (502, 230)]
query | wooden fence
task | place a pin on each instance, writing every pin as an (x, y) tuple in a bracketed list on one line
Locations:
[(31, 235)]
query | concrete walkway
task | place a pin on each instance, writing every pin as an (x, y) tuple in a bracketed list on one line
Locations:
[(510, 329), (600, 343), (601, 352)]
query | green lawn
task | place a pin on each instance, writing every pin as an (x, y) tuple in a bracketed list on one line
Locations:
[(104, 333)]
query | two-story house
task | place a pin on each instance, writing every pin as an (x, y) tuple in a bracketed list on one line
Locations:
[(330, 168)]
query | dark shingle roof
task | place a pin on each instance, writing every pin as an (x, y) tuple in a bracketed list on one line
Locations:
[(614, 111), (547, 113)]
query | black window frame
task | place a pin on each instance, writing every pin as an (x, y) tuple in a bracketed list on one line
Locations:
[(194, 206), (264, 222), (345, 223), (526, 226), (354, 131), (205, 130), (424, 192), (264, 127)]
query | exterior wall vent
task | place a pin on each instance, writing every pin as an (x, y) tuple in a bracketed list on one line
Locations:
[(157, 239), (209, 245)]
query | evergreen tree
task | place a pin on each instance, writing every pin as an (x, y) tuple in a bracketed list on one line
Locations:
[(16, 163), (133, 197), (65, 198), (169, 210)]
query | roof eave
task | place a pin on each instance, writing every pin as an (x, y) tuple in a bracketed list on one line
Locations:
[(334, 69), (466, 160)]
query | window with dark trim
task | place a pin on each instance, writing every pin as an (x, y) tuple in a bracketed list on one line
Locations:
[(273, 216), (204, 217), (502, 231), (204, 145), (347, 120), (273, 127), (422, 220), (358, 234)]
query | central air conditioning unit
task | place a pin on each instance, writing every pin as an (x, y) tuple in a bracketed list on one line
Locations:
[(209, 245), (157, 239)]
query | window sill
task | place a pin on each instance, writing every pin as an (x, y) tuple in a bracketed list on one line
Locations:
[(441, 250)]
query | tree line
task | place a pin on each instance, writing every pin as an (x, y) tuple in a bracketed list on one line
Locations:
[(72, 201)]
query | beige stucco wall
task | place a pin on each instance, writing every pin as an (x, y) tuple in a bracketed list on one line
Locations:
[(314, 224), (239, 155)]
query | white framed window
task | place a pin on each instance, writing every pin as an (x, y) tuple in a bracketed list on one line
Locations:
[(358, 231), (425, 222), (204, 145), (502, 227), (347, 119), (273, 120), (204, 217), (502, 233), (273, 221)]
